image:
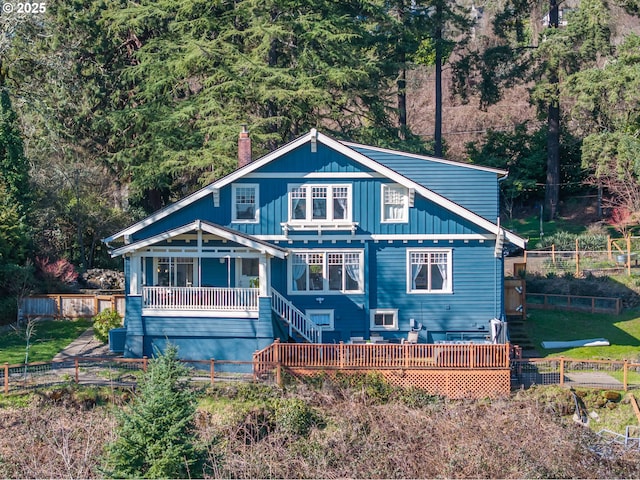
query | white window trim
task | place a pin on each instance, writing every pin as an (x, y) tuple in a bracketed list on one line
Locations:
[(385, 311), (234, 213), (309, 220), (173, 270), (325, 273), (449, 253), (319, 311), (405, 211)]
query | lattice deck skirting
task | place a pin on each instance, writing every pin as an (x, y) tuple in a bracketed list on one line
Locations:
[(451, 383)]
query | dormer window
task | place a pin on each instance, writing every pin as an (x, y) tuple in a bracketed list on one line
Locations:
[(245, 203), (320, 203), (395, 203)]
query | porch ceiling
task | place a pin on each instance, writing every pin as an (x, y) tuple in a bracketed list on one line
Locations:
[(208, 227)]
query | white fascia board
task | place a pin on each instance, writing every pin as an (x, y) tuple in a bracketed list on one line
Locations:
[(402, 180), (155, 239), (341, 147), (244, 240), (224, 233), (515, 239), (211, 188), (497, 171)]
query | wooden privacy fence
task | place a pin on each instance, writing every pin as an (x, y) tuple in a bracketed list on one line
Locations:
[(452, 370), (70, 305)]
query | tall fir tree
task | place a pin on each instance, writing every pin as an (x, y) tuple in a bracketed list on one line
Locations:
[(529, 46), (14, 167)]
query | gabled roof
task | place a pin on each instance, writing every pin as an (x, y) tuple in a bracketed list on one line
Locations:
[(340, 147), (497, 171), (218, 230)]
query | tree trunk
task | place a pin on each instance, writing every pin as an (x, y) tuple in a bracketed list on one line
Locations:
[(402, 101), (552, 187), (437, 135)]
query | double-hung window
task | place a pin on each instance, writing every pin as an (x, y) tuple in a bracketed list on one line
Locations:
[(320, 203), (244, 202), (326, 271), (429, 271), (395, 203)]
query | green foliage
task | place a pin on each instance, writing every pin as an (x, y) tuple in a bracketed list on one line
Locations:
[(105, 321), (372, 385), (522, 153), (607, 106), (14, 167), (294, 416), (155, 436), (566, 241)]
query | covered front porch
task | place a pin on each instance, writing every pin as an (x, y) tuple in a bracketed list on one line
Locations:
[(200, 269)]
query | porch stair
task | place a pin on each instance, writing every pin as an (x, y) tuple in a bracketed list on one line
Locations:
[(518, 334), (297, 322)]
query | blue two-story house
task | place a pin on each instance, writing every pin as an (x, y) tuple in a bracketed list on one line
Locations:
[(320, 241)]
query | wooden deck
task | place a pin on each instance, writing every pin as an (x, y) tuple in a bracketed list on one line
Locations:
[(452, 370)]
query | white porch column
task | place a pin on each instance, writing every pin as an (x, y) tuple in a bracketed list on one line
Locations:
[(135, 279), (263, 274)]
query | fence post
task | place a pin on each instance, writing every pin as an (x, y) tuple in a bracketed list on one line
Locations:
[(144, 363), (212, 370), (553, 253), (577, 258), (77, 366), (341, 354), (276, 359), (6, 378), (629, 255), (625, 375), (609, 248), (561, 371)]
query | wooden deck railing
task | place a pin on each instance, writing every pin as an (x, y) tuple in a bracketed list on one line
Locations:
[(200, 298), (380, 356)]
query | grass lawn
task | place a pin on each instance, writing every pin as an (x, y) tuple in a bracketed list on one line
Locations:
[(622, 331), (49, 338), (529, 227)]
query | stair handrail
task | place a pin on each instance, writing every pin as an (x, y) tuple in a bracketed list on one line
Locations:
[(295, 318)]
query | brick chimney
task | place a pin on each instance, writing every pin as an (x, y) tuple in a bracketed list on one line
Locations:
[(244, 147)]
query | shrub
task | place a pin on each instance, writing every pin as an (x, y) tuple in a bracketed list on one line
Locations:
[(295, 417), (105, 321)]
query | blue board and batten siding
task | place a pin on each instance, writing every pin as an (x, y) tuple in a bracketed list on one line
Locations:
[(475, 189), (476, 295), (425, 218)]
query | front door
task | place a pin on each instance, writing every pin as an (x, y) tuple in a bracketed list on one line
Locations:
[(247, 271)]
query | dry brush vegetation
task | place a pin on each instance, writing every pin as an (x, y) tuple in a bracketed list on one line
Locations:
[(328, 431)]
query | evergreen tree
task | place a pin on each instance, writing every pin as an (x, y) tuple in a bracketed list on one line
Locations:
[(523, 50), (606, 112), (155, 434), (14, 167)]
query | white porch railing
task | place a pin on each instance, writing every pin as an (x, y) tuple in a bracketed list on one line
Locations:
[(200, 298)]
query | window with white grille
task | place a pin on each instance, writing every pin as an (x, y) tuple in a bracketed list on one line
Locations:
[(429, 271), (395, 203)]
